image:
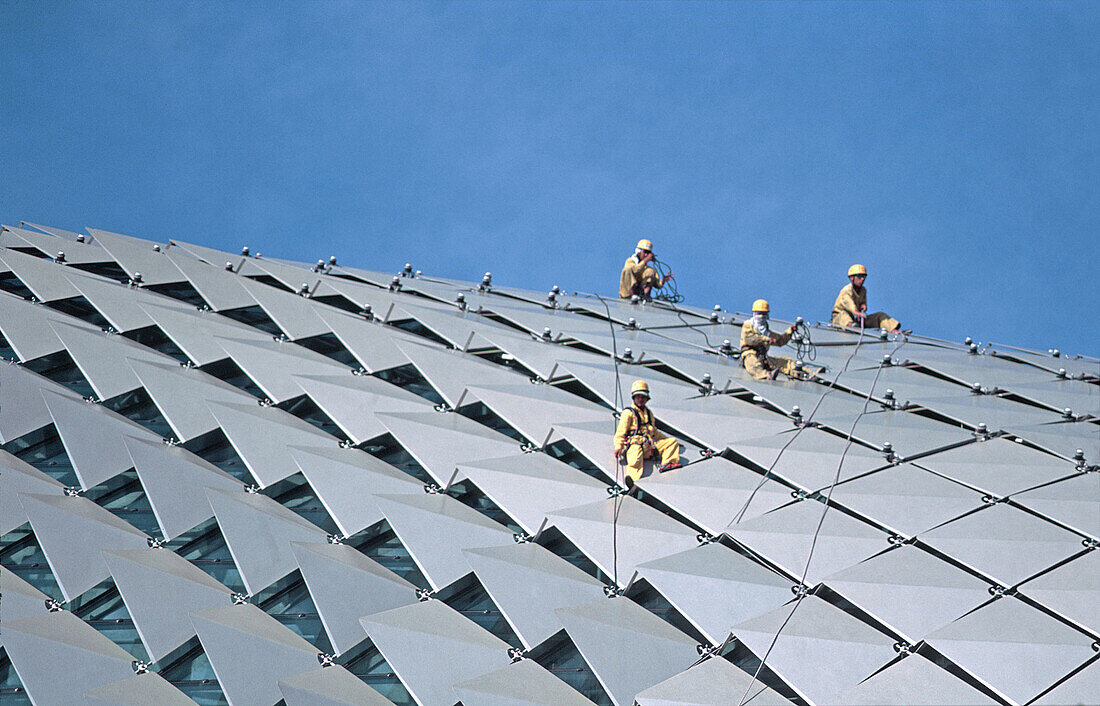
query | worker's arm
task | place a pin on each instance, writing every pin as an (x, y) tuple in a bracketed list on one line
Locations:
[(781, 339), (626, 425), (846, 302)]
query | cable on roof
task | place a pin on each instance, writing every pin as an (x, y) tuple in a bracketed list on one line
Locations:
[(669, 293), (824, 512), (619, 463)]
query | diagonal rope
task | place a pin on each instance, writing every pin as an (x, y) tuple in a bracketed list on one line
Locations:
[(825, 511)]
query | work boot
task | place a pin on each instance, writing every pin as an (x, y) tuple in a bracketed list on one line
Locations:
[(628, 482), (668, 467)]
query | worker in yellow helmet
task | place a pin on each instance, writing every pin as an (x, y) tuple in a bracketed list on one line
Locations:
[(756, 338), (850, 308), (638, 278), (638, 437)]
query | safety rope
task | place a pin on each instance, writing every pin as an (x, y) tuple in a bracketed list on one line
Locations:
[(804, 348), (806, 423), (620, 462), (825, 511)]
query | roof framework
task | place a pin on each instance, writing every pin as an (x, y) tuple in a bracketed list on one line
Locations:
[(193, 478)]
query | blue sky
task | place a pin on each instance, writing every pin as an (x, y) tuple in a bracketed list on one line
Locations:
[(952, 148)]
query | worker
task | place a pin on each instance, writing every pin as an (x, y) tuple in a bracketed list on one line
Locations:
[(638, 437), (638, 278), (756, 338), (850, 308)]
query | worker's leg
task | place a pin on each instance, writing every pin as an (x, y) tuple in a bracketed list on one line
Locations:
[(783, 364), (635, 456), (754, 366), (842, 319), (880, 319), (669, 449)]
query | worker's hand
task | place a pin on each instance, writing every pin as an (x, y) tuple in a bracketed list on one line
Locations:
[(667, 278), (863, 307), (619, 451), (648, 257), (860, 314)]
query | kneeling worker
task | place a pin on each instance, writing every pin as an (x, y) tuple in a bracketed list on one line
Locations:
[(638, 278), (756, 338), (638, 437), (850, 308)]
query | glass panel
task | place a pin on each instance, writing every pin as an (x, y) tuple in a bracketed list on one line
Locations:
[(82, 309), (228, 371), (294, 493), (483, 415), (562, 659), (329, 345), (42, 449), (367, 663), (255, 317), (380, 543), (105, 269), (60, 368), (215, 449), (11, 689), (307, 410), (387, 449), (407, 377), (474, 603), (20, 554), (153, 337), (183, 291), (139, 408), (204, 547)]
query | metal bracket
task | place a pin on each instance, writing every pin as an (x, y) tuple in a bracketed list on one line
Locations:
[(140, 667), (903, 648), (252, 489), (707, 651), (239, 598), (424, 594), (997, 591), (990, 499), (799, 494), (52, 605), (516, 654), (528, 448), (156, 542), (612, 591), (800, 590), (335, 538), (346, 443), (325, 659), (433, 489), (704, 538), (897, 540), (442, 408), (615, 491)]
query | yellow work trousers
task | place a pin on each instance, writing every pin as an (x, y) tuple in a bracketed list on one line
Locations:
[(756, 367), (668, 448), (878, 319)]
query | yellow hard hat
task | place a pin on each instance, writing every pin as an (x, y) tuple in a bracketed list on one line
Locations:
[(857, 270), (644, 244), (761, 305), (640, 387)]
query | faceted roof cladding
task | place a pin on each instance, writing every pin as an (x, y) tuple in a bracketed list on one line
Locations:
[(220, 486)]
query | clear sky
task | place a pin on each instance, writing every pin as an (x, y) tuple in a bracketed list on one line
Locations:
[(952, 148)]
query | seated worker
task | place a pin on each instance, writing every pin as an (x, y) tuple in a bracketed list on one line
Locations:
[(638, 437), (850, 308), (756, 338), (638, 278)]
